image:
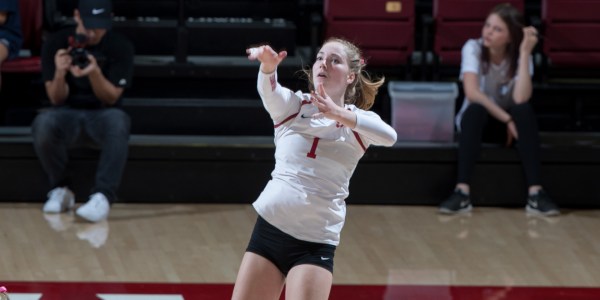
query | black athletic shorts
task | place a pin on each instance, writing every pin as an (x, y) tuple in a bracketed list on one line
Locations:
[(285, 251)]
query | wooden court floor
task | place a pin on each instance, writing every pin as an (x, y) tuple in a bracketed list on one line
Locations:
[(380, 245)]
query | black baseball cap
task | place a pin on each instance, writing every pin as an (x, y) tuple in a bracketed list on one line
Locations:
[(96, 14)]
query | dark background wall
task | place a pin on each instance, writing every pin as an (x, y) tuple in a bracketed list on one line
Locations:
[(199, 126)]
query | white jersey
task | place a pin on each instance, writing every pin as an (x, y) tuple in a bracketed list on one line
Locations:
[(314, 160)]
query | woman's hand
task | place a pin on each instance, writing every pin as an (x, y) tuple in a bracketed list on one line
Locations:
[(511, 132), (330, 110), (530, 39), (268, 58), (327, 108)]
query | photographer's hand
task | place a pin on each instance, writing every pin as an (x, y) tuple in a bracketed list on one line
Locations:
[(57, 89), (62, 61), (92, 66), (104, 90)]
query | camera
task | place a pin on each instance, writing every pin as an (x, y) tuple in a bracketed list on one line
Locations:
[(79, 56)]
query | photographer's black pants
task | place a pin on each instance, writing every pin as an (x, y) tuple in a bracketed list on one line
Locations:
[(60, 128)]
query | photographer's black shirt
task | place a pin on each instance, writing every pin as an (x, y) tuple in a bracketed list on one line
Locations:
[(114, 55)]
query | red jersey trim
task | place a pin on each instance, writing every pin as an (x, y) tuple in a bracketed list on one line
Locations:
[(286, 119), (292, 116), (359, 140)]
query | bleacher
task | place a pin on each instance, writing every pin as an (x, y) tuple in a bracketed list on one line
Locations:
[(200, 133)]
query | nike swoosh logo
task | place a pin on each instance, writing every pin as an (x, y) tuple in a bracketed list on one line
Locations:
[(304, 117), (97, 11), (325, 258)]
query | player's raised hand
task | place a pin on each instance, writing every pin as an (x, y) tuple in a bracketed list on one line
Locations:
[(267, 56)]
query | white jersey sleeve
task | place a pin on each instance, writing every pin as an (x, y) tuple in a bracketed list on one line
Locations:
[(374, 129), (279, 101)]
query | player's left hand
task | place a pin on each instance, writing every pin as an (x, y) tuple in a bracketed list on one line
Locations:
[(320, 99)]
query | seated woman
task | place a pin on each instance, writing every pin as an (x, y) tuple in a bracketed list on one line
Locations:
[(496, 71)]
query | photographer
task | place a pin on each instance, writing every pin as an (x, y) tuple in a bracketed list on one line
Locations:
[(85, 71)]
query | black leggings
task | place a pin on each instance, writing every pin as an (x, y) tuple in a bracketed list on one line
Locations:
[(475, 128)]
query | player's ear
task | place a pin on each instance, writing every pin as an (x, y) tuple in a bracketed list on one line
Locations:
[(351, 78)]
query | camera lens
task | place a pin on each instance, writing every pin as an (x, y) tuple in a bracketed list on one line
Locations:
[(79, 57)]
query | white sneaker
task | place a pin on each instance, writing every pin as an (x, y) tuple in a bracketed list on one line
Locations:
[(96, 209), (60, 199)]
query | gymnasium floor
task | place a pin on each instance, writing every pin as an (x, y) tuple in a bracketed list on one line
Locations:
[(176, 252)]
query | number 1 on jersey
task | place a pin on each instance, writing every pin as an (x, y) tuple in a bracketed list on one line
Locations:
[(313, 149)]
